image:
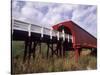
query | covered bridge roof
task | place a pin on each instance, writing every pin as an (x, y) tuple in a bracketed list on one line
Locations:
[(80, 37)]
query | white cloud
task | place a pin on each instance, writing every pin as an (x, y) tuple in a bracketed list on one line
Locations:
[(86, 18), (58, 14), (31, 13), (49, 14)]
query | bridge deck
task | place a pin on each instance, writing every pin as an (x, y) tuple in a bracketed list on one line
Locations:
[(21, 30)]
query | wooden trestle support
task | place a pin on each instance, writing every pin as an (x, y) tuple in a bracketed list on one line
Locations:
[(62, 45), (30, 48)]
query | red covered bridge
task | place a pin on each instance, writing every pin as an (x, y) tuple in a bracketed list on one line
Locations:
[(81, 38)]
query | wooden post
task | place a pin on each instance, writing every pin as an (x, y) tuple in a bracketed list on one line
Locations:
[(64, 48), (57, 48), (30, 47), (25, 50), (41, 39), (68, 38), (40, 47), (48, 49), (76, 54), (58, 44), (34, 49), (52, 48), (60, 48), (29, 42)]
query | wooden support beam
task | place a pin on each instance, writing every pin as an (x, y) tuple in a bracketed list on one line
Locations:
[(34, 48), (68, 37), (25, 50), (29, 48), (52, 50), (64, 49), (48, 45), (55, 52), (76, 54), (94, 52), (80, 49), (40, 47), (59, 47)]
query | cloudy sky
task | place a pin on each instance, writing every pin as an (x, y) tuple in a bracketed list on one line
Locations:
[(49, 14)]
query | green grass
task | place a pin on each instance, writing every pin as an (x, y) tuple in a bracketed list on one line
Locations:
[(17, 48), (42, 64)]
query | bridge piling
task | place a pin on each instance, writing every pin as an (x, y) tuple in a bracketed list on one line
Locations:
[(34, 48), (25, 50), (48, 45), (29, 48)]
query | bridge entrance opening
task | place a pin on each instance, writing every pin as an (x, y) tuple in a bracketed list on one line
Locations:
[(68, 37)]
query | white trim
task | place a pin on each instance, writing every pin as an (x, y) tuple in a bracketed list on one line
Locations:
[(12, 23), (58, 35), (51, 33), (63, 35), (68, 37), (29, 30), (42, 29)]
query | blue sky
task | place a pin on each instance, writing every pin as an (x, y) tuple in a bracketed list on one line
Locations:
[(49, 14)]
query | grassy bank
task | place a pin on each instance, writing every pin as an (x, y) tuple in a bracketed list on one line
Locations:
[(42, 64)]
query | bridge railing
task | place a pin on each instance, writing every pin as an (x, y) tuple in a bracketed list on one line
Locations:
[(24, 26)]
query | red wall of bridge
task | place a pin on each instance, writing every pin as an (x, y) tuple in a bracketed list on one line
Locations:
[(80, 37)]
